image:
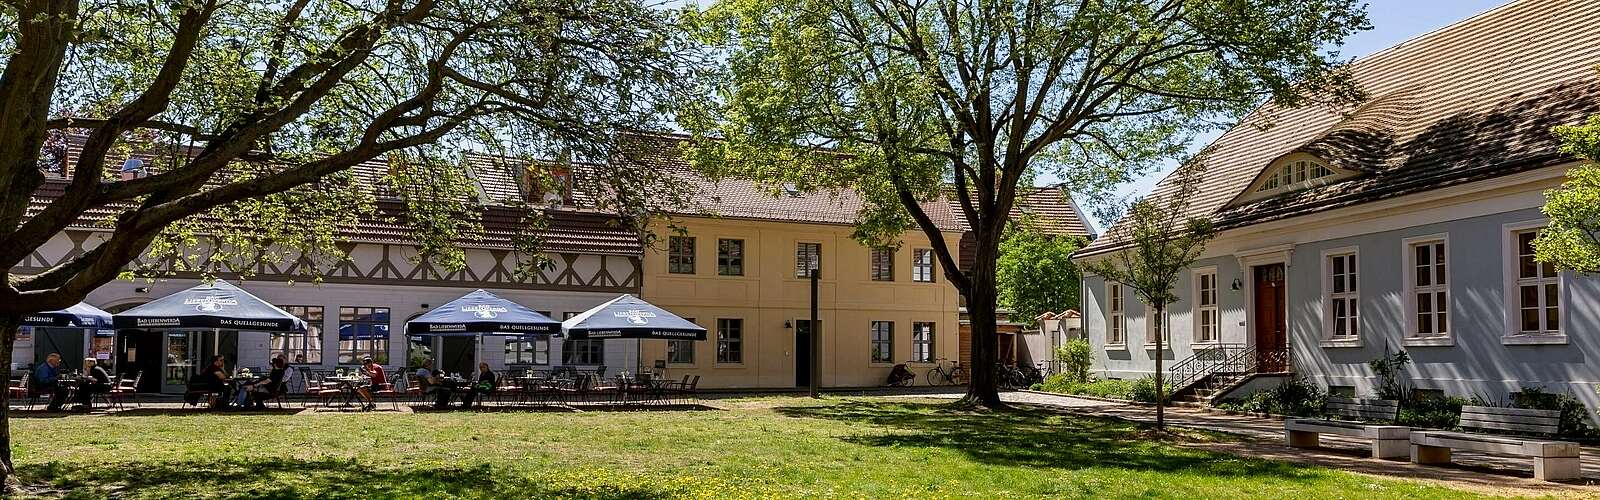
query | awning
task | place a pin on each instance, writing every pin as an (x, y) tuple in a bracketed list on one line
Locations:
[(218, 305), (482, 313), (80, 315), (628, 317)]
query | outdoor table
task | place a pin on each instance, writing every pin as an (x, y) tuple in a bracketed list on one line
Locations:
[(347, 385)]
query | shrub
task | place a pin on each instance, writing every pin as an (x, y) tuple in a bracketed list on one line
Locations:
[(1075, 360), (1431, 412), (1388, 369), (1144, 390), (1574, 416), (1295, 397), (1062, 384)]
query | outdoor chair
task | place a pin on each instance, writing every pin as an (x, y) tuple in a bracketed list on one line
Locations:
[(320, 390), (686, 393), (20, 390), (388, 391), (510, 388), (123, 389)]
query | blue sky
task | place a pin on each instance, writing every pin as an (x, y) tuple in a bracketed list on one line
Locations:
[(1393, 21)]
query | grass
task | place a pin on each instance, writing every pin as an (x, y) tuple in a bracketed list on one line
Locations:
[(765, 447)]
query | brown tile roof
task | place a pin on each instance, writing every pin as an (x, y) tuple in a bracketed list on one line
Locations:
[(738, 198), (1471, 101), (1053, 209)]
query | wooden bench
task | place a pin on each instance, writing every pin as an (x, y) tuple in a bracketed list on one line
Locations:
[(1388, 441), (1552, 460)]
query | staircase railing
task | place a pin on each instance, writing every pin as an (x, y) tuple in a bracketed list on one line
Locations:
[(1204, 362)]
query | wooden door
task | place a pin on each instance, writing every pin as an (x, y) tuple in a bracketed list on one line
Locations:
[(1271, 322)]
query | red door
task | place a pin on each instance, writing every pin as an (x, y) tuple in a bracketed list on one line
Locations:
[(1271, 325)]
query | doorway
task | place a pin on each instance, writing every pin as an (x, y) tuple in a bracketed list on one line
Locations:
[(802, 352), (458, 354), (140, 357), (1271, 318)]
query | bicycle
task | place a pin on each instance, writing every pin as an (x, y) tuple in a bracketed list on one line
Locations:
[(938, 376)]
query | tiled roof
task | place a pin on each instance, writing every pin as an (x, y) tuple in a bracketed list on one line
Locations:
[(1471, 101), (1052, 206)]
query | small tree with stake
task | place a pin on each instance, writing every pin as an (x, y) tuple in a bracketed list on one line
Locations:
[(1159, 240)]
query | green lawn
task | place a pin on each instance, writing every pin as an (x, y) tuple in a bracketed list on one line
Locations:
[(768, 447)]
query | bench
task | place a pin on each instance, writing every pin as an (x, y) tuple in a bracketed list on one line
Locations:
[(1552, 460), (1388, 441)]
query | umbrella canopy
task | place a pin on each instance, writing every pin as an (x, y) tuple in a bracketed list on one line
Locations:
[(481, 313), (219, 305), (80, 315), (628, 317)]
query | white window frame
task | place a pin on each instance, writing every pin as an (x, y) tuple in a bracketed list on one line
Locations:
[(1512, 298), (1201, 308), (1408, 258), (1150, 327), (1116, 315), (1329, 339)]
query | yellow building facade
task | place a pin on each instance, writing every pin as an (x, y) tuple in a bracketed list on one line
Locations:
[(756, 310)]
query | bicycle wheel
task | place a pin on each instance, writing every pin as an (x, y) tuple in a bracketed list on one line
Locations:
[(937, 377), (958, 376)]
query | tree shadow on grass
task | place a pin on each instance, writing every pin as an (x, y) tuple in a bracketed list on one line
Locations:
[(1042, 439), (324, 478)]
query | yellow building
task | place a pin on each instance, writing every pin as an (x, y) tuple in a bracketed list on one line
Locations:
[(737, 268)]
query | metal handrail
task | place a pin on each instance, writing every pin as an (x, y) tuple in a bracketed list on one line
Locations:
[(1204, 362)]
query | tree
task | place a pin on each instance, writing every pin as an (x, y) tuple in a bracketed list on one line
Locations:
[(1571, 241), (248, 115), (1035, 272), (963, 102), (1160, 239)]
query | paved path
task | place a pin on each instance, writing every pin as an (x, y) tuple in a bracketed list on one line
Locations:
[(1264, 438)]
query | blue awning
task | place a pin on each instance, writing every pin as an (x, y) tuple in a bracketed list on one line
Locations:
[(218, 305), (628, 317), (482, 313), (80, 315)]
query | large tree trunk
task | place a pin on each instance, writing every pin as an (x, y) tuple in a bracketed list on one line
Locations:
[(8, 338), (982, 298)]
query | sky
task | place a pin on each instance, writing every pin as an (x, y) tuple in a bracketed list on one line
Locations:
[(1393, 21)]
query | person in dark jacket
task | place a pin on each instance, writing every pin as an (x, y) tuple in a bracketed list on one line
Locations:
[(214, 377), (273, 384), (95, 381), (44, 381), (481, 387)]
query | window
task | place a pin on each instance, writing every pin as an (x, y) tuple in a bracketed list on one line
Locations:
[(583, 352), (528, 351), (363, 331), (1206, 321), (1342, 291), (1538, 293), (1428, 299), (730, 257), (922, 342), (1293, 173), (730, 340), (1150, 327), (807, 258), (680, 255), (680, 352), (882, 342), (883, 264), (922, 265), (300, 347), (1114, 315)]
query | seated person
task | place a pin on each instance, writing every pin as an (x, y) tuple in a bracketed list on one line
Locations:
[(376, 381), (95, 381), (273, 384), (484, 385), (214, 377), (44, 381), (430, 381)]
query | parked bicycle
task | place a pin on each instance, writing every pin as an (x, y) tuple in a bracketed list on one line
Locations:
[(939, 375)]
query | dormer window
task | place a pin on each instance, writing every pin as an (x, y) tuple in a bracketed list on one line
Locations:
[(1293, 172)]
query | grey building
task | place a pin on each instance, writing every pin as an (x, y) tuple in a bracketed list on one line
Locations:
[(1402, 223)]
